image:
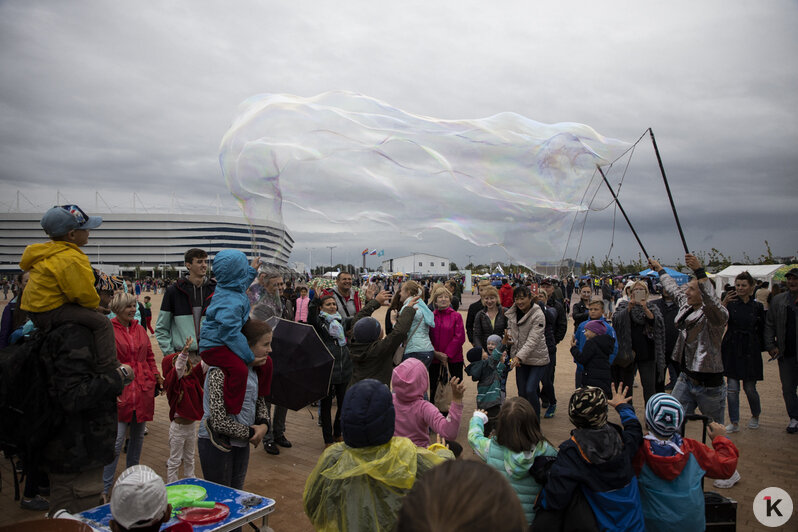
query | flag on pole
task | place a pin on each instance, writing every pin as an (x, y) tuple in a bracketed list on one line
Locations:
[(373, 252), (381, 253), (365, 251)]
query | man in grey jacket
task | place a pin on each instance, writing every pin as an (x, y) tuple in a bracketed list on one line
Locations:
[(781, 339), (701, 321)]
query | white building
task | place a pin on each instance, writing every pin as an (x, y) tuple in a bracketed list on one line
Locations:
[(152, 241), (418, 263)]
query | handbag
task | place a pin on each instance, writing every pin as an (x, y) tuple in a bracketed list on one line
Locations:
[(443, 394), (399, 354), (623, 360)]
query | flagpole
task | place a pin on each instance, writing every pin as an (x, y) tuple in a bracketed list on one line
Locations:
[(618, 203), (668, 189)]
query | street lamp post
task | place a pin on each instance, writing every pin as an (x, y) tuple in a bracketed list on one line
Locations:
[(331, 262)]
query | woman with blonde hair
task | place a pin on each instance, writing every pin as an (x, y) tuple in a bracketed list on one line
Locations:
[(448, 338), (418, 344), (136, 404)]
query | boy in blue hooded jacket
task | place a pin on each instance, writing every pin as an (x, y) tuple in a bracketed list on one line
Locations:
[(222, 344)]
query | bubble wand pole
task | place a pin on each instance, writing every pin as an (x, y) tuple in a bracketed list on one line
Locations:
[(668, 189), (618, 203)]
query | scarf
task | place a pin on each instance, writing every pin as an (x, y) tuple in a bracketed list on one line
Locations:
[(334, 327), (658, 445)]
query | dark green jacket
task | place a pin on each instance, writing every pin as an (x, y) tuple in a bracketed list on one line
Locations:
[(375, 360)]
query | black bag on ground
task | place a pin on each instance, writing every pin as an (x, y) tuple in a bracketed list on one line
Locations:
[(720, 512), (29, 414)]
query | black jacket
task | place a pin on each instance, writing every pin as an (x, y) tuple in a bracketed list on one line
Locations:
[(342, 367), (86, 438), (580, 313), (595, 359), (375, 360), (482, 327), (473, 309)]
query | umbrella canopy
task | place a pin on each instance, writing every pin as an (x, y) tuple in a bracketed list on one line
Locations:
[(302, 364)]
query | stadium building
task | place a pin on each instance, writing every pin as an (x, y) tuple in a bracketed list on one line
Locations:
[(153, 243)]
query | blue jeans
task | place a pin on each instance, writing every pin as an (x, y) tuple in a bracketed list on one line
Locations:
[(528, 379), (788, 373), (133, 449), (423, 356), (733, 395), (711, 400)]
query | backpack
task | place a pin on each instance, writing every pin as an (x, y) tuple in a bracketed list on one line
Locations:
[(29, 412)]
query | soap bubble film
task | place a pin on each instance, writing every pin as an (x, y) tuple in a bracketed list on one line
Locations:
[(345, 162)]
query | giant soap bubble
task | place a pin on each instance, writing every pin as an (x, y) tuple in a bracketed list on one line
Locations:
[(345, 162)]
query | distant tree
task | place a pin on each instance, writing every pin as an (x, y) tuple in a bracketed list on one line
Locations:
[(453, 267)]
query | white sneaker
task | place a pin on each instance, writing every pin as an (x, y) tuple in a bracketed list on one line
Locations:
[(754, 423), (729, 482), (792, 428), (732, 427)]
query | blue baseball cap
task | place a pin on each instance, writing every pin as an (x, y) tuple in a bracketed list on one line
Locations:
[(62, 219)]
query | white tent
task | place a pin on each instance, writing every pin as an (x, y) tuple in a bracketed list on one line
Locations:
[(330, 275), (762, 272)]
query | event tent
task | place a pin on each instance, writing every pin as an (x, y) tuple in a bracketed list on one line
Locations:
[(762, 272), (679, 277)]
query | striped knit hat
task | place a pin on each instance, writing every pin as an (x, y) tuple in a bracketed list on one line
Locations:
[(588, 408), (664, 415)]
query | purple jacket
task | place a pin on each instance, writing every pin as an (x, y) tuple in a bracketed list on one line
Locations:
[(448, 336)]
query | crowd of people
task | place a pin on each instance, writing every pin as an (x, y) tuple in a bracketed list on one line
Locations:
[(395, 383)]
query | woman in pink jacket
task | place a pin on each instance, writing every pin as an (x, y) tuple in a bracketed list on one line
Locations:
[(415, 416), (136, 404), (302, 305), (448, 337)]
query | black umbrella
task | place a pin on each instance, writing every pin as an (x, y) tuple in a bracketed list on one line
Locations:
[(302, 364)]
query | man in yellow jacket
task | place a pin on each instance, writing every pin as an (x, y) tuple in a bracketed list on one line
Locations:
[(61, 286)]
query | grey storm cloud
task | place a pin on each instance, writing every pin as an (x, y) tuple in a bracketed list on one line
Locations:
[(126, 97)]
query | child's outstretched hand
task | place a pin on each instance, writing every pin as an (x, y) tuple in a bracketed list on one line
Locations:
[(573, 341), (440, 440), (715, 429), (458, 390), (255, 263), (188, 344), (619, 396)]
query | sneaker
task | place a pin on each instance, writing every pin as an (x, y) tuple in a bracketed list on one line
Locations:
[(729, 482), (732, 427), (792, 428), (37, 504), (219, 441), (550, 411), (282, 441), (271, 447), (754, 423)]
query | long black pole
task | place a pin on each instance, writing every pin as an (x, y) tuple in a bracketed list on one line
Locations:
[(618, 203), (668, 189)]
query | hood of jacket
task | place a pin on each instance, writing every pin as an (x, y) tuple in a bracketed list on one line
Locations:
[(666, 467), (605, 343), (232, 270), (599, 446), (410, 380), (37, 252), (517, 465)]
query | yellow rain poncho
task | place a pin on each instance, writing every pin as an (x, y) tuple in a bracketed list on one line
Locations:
[(353, 489)]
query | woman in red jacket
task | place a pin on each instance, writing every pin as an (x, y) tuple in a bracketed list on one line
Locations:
[(136, 404), (448, 337)]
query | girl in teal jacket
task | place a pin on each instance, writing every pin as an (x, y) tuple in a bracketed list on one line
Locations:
[(514, 447)]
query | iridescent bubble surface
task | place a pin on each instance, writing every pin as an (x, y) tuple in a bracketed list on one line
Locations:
[(342, 161)]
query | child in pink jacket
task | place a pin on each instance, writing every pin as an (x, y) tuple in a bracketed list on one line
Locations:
[(414, 415), (302, 303)]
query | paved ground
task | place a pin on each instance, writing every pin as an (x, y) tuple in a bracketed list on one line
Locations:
[(768, 455)]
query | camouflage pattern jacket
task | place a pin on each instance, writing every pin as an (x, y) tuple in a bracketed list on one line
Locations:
[(84, 439)]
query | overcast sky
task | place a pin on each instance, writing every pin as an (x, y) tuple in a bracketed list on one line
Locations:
[(126, 97)]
